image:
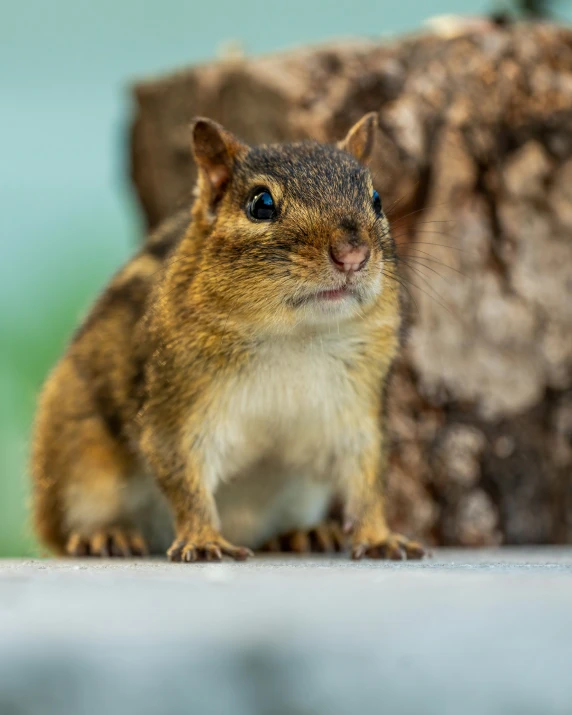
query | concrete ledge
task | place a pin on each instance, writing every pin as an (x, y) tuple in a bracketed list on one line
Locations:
[(465, 633)]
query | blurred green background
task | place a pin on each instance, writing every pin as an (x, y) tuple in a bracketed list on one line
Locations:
[(67, 215)]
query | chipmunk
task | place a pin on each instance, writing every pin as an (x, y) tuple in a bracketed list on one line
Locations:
[(229, 383)]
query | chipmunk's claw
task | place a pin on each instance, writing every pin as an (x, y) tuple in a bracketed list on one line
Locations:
[(326, 538), (394, 547), (107, 543), (189, 551)]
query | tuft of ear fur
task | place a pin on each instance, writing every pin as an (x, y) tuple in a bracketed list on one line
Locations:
[(360, 138), (215, 150)]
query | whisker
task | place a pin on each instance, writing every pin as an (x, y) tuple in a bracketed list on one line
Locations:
[(425, 208), (438, 233), (396, 203), (426, 223), (439, 302), (421, 231), (429, 268), (432, 260), (392, 276), (393, 206), (440, 245)]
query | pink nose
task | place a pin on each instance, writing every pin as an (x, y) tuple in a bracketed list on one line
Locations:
[(348, 258)]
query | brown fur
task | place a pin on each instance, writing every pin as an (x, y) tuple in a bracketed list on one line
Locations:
[(161, 396)]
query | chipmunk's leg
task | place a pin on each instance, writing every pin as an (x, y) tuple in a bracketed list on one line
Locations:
[(85, 484), (365, 512), (327, 537), (97, 495), (197, 534)]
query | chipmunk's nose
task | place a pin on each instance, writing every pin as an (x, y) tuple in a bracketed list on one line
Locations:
[(347, 257)]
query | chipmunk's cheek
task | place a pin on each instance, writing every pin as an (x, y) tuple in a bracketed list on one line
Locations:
[(372, 286)]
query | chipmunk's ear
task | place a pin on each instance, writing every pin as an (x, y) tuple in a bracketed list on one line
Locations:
[(215, 151), (360, 138)]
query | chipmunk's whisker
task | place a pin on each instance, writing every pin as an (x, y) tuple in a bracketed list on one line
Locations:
[(439, 299), (417, 211), (402, 282), (412, 257), (428, 243)]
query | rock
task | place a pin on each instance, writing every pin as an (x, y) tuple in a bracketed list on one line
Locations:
[(467, 632), (473, 160)]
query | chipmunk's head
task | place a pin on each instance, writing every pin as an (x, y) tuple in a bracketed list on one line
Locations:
[(295, 233)]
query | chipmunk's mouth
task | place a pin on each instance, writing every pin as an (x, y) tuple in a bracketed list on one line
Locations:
[(333, 294), (330, 296)]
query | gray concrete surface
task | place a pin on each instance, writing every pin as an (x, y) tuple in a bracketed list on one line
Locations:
[(465, 633)]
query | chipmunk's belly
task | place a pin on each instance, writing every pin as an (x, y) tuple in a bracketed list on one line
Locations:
[(280, 442), (281, 474), (268, 502)]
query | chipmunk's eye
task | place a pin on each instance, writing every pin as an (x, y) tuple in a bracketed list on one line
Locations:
[(261, 206), (377, 203)]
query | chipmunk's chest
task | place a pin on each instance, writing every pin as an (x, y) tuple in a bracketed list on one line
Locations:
[(281, 433), (294, 400)]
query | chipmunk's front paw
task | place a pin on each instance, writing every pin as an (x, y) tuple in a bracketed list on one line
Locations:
[(392, 546), (210, 548)]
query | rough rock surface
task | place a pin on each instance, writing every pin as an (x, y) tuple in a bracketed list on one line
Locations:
[(474, 162)]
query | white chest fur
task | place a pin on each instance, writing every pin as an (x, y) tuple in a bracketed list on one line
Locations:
[(281, 434)]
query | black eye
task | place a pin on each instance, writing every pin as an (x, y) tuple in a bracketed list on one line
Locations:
[(377, 203), (261, 206)]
